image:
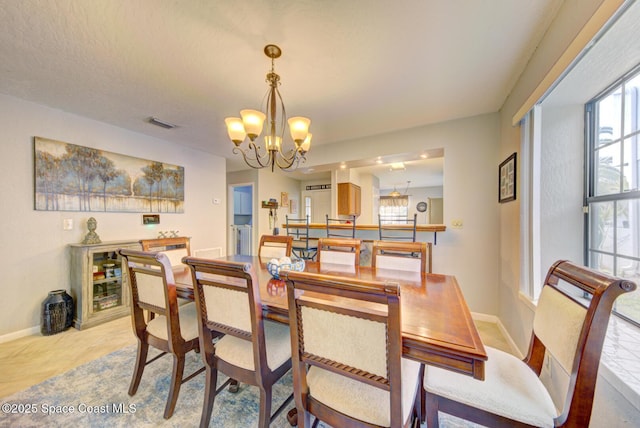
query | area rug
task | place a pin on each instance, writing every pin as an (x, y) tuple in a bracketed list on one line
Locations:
[(95, 395)]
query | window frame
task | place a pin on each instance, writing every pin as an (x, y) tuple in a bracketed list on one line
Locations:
[(592, 151)]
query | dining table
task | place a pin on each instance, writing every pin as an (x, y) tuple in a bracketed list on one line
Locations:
[(437, 327)]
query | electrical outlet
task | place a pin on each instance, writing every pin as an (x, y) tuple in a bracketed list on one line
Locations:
[(456, 224), (216, 201)]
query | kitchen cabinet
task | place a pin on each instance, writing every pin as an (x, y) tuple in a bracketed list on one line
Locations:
[(242, 203), (348, 199)]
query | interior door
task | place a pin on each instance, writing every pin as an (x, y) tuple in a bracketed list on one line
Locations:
[(320, 205)]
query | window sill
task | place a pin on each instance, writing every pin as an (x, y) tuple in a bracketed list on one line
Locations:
[(619, 364), (531, 304)]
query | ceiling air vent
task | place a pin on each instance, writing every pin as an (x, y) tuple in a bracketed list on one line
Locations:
[(161, 123)]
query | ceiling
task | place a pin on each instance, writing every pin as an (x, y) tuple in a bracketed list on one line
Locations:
[(356, 68)]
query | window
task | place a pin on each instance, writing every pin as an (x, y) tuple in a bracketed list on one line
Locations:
[(393, 207), (613, 186), (307, 206)]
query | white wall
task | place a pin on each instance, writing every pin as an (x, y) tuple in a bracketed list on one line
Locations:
[(369, 197), (270, 185), (34, 246), (470, 194)]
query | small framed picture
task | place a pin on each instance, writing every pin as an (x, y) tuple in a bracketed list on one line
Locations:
[(293, 206), (284, 199), (507, 179), (150, 219)]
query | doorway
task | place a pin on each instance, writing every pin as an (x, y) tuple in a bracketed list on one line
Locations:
[(316, 203), (241, 216)]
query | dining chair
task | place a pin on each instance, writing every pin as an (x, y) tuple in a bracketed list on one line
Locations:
[(569, 328), (399, 255), (341, 227), (348, 368), (397, 228), (251, 350), (304, 246), (175, 248), (275, 246), (173, 329), (340, 251), (208, 253)]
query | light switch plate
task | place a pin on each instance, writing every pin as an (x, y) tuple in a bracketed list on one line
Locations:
[(67, 224), (456, 223)]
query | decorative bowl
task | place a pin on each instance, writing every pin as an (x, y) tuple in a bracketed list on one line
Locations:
[(295, 265)]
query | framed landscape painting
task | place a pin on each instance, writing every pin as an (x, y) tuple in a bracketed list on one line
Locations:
[(77, 178)]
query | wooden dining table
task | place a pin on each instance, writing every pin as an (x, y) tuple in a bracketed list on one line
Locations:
[(437, 327)]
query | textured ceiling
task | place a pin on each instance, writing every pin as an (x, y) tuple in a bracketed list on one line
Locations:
[(356, 68)]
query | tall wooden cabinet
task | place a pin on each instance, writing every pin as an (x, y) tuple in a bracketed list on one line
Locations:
[(348, 199), (98, 282)]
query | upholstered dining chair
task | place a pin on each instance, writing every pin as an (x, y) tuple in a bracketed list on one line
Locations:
[(407, 256), (275, 246), (569, 329), (175, 248), (173, 329), (341, 251), (348, 368), (252, 350)]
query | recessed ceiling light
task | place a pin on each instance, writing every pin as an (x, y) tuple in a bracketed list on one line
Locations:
[(424, 156), (398, 166)]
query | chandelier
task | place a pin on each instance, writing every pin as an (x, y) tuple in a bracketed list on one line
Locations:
[(250, 125), (396, 194)]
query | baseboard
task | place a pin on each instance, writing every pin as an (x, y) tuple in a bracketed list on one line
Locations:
[(33, 331), (495, 320), (484, 317)]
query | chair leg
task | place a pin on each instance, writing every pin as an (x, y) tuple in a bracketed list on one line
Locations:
[(265, 407), (141, 361), (176, 381), (431, 410), (209, 396)]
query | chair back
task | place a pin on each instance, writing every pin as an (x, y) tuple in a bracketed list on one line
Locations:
[(227, 299), (340, 251), (397, 228), (304, 246), (341, 227), (275, 246), (152, 289), (208, 253), (406, 256), (572, 328), (360, 341), (175, 248)]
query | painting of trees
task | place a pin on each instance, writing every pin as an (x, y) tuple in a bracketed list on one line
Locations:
[(69, 177)]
